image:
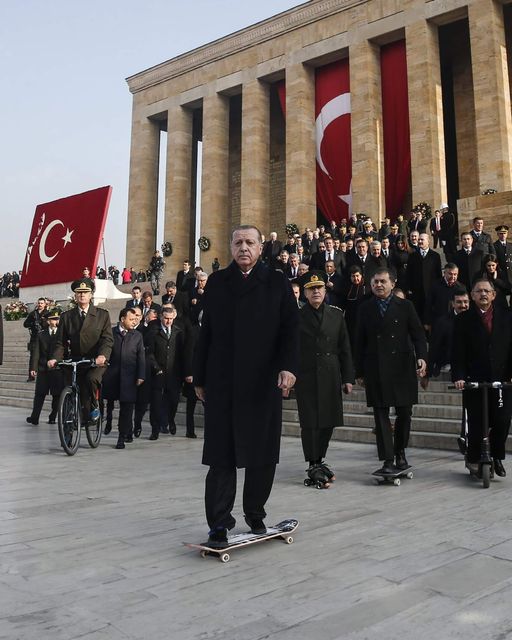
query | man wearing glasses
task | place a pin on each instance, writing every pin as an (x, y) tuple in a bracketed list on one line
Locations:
[(482, 352)]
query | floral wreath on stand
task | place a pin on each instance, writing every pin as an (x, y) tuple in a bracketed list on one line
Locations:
[(167, 249), (291, 229), (15, 310), (489, 192), (424, 208), (203, 243)]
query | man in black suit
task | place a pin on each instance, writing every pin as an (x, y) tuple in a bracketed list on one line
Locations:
[(482, 352), (359, 258), (47, 381), (448, 232), (170, 357), (441, 294), (184, 275), (469, 260), (375, 260), (35, 323), (481, 240), (125, 373), (435, 228), (242, 387), (319, 259), (178, 298), (417, 223), (503, 251), (147, 304), (390, 351), (136, 300), (423, 269), (85, 332), (271, 249), (333, 284)]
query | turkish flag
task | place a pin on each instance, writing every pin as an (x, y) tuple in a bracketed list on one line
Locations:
[(333, 141), (65, 237)]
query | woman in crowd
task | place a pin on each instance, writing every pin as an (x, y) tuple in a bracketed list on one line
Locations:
[(493, 273), (399, 259)]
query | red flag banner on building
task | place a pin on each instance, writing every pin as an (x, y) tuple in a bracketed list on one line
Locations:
[(65, 237), (395, 125), (333, 141)]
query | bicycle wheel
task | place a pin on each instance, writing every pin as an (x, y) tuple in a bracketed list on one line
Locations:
[(69, 421), (94, 431)]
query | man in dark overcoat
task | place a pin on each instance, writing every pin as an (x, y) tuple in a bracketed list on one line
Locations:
[(126, 372), (325, 366), (482, 352), (85, 332), (391, 350), (503, 251), (245, 359), (171, 365), (423, 269), (469, 260), (47, 381), (35, 323)]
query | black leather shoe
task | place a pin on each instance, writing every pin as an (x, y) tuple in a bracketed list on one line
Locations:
[(190, 435), (107, 428), (388, 467), (128, 439), (401, 461), (137, 431), (256, 525), (31, 420), (120, 444), (172, 429), (499, 469), (164, 430), (218, 538), (153, 436)]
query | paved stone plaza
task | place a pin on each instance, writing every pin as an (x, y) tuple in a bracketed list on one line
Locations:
[(90, 548)]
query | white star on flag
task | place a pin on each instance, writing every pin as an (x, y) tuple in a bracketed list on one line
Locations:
[(347, 198), (67, 237)]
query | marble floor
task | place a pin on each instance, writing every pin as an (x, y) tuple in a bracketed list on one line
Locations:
[(91, 548)]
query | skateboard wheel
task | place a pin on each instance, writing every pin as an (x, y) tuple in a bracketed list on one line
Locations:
[(224, 557), (289, 539), (319, 485), (410, 475), (204, 554), (307, 483), (396, 482)]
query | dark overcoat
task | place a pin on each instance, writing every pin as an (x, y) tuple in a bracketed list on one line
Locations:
[(249, 334), (127, 364), (47, 380), (172, 357), (325, 363), (1, 336), (386, 352), (90, 341), (422, 272)]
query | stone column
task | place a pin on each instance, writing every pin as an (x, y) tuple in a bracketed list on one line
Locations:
[(300, 146), (491, 93), (255, 155), (142, 192), (215, 221), (178, 188), (366, 128), (425, 114)]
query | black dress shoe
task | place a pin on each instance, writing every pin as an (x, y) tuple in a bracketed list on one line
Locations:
[(172, 429), (120, 444), (190, 435), (401, 461), (256, 525), (153, 436), (218, 538), (137, 431), (388, 467), (499, 469), (164, 430), (107, 428), (31, 420), (128, 438)]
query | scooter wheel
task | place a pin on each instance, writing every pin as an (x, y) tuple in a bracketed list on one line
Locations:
[(486, 475)]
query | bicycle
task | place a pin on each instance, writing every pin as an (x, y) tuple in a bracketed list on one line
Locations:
[(69, 414)]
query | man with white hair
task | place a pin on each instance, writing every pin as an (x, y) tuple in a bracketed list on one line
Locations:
[(423, 269), (271, 249)]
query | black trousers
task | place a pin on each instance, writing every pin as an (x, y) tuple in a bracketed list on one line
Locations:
[(387, 445), (164, 405), (125, 422), (38, 405), (89, 381), (220, 492), (140, 412), (498, 422), (315, 443)]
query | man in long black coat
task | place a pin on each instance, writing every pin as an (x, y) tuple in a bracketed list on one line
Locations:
[(391, 350), (503, 251), (423, 269), (482, 352), (126, 372), (245, 359), (325, 366), (469, 260)]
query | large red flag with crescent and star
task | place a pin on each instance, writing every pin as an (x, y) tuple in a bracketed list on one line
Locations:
[(65, 237), (333, 141)]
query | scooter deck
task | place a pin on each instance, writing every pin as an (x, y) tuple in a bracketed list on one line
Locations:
[(282, 530)]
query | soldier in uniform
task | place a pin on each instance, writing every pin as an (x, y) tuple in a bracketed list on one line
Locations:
[(34, 322), (85, 332), (325, 366), (391, 349), (503, 251), (47, 381)]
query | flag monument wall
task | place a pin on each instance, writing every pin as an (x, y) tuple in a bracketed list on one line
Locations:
[(233, 81)]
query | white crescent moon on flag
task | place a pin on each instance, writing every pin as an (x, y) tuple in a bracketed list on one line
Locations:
[(42, 249), (338, 106)]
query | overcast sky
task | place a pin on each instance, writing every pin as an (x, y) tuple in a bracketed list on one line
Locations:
[(65, 113)]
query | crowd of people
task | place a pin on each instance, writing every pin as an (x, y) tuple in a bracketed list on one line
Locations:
[(319, 312), (10, 284)]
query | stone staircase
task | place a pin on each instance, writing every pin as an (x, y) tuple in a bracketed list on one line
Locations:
[(436, 419)]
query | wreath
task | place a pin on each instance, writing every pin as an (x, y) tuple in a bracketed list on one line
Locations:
[(203, 243), (15, 310), (167, 249), (424, 208), (291, 229), (489, 192)]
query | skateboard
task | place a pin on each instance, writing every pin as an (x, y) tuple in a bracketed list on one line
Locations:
[(393, 477), (281, 530)]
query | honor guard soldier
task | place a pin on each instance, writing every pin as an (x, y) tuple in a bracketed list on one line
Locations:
[(325, 366)]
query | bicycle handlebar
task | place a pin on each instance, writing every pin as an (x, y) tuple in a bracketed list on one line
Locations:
[(480, 385), (71, 363)]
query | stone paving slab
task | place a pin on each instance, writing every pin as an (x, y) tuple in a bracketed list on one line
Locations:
[(91, 547)]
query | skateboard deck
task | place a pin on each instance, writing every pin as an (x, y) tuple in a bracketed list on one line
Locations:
[(393, 477), (282, 530)]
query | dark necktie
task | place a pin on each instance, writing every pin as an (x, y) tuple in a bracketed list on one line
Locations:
[(82, 318), (123, 333)]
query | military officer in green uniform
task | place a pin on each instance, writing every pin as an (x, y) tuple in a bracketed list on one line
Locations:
[(325, 368)]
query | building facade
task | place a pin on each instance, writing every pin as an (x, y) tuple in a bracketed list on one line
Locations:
[(258, 159)]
